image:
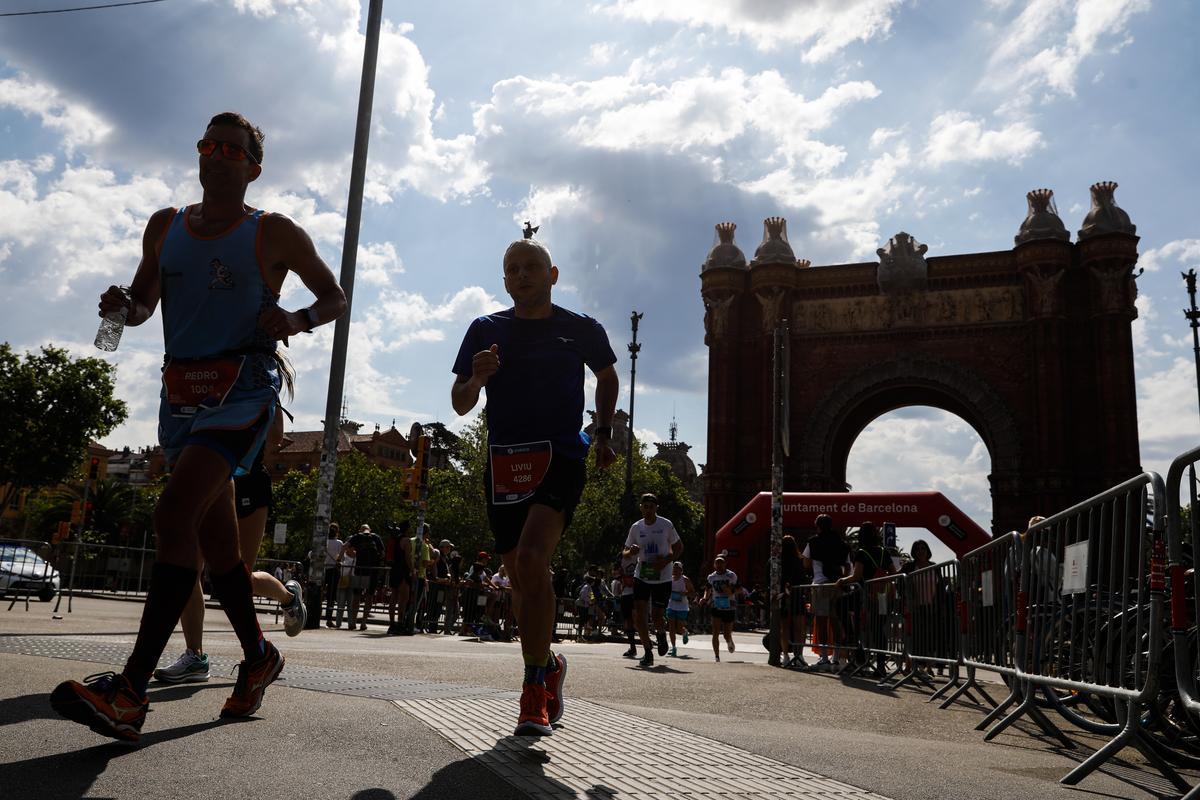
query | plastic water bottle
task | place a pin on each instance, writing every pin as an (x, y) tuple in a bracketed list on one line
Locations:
[(113, 324)]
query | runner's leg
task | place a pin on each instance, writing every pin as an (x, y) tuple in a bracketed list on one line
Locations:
[(229, 574), (250, 535), (198, 478)]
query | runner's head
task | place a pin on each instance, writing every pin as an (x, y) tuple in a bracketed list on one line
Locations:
[(824, 524), (529, 273), (719, 563), (649, 504), (334, 530), (677, 570), (231, 154)]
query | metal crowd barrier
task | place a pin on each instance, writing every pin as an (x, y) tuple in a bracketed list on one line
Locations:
[(988, 591), (1092, 578), (932, 620), (1181, 548), (884, 628)]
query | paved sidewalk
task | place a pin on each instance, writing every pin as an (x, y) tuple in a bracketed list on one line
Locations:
[(371, 717)]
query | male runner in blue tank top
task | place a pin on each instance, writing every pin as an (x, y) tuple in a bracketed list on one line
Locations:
[(218, 267), (531, 358)]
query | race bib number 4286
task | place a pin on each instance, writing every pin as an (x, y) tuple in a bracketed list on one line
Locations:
[(518, 470)]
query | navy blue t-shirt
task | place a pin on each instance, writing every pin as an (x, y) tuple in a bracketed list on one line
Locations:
[(538, 392)]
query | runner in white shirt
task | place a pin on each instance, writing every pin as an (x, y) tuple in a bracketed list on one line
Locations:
[(678, 606), (656, 544), (722, 583)]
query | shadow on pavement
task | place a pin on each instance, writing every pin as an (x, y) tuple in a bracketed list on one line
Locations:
[(469, 777), (661, 668), (70, 776)]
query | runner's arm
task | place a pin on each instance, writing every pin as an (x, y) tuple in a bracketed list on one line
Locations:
[(146, 288), (287, 247), (607, 388)]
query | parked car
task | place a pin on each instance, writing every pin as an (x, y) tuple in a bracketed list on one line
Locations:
[(23, 571)]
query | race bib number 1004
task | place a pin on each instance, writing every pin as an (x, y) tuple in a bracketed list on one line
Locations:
[(518, 470)]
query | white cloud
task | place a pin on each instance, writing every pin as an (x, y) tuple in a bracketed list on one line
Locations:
[(821, 27), (543, 203), (880, 136), (1043, 48), (377, 263), (956, 136), (76, 122), (1181, 253), (408, 311)]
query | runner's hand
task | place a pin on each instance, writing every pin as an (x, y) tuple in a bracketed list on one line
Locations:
[(604, 453), (485, 364), (280, 324), (113, 300)]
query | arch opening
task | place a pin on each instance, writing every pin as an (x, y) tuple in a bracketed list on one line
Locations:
[(921, 447)]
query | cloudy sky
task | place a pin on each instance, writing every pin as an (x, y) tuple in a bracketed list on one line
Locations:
[(627, 129)]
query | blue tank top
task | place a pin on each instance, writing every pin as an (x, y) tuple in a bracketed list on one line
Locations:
[(213, 290)]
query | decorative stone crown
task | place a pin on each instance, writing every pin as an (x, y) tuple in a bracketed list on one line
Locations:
[(803, 263), (725, 253), (902, 266), (1042, 221), (1105, 215), (774, 248)]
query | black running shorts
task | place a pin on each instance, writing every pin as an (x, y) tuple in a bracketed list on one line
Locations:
[(659, 594), (560, 490), (252, 490)]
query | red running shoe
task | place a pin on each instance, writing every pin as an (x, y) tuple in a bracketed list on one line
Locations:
[(252, 680), (105, 702), (533, 720), (555, 677)]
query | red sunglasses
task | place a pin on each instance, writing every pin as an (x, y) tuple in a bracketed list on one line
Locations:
[(229, 150)]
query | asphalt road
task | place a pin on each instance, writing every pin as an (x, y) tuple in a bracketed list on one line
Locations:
[(307, 743)]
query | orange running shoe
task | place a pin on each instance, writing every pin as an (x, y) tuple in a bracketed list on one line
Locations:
[(252, 680), (105, 702), (533, 720), (556, 676)]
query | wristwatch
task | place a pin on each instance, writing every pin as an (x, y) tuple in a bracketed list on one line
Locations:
[(313, 321)]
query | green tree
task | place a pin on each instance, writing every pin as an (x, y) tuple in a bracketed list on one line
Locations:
[(51, 406)]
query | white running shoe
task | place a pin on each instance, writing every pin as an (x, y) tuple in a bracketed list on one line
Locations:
[(188, 668), (730, 643), (294, 613)]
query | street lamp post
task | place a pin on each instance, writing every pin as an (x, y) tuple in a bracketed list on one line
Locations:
[(628, 506), (341, 331), (1193, 317)]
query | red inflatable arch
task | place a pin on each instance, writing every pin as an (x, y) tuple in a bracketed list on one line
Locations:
[(930, 510)]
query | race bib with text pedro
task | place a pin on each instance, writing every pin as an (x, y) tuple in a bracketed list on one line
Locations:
[(518, 470), (195, 385)]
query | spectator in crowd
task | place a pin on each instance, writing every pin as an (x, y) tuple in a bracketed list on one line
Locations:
[(397, 559), (450, 570), (421, 558), (333, 551), (345, 584), (828, 557), (793, 621), (585, 598), (872, 561), (626, 569), (367, 572)]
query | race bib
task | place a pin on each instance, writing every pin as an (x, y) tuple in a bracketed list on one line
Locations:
[(721, 602), (518, 470), (195, 385), (627, 581), (677, 597)]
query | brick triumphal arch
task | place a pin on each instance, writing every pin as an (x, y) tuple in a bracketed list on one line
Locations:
[(1031, 346)]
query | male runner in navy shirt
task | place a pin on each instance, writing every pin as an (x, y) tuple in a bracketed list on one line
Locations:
[(531, 358)]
